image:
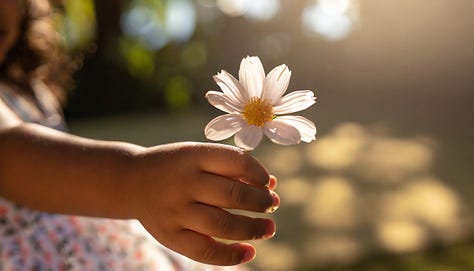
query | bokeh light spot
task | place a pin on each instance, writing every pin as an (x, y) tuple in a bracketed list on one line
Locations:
[(275, 256), (78, 24), (180, 20), (401, 236), (332, 204), (428, 201), (232, 7), (261, 10), (389, 159), (140, 63), (178, 92), (294, 191), (332, 20), (340, 148), (144, 24), (323, 250), (284, 161)]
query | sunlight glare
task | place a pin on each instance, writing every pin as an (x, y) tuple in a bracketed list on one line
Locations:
[(144, 24), (232, 8), (261, 10), (180, 20), (329, 18), (335, 7)]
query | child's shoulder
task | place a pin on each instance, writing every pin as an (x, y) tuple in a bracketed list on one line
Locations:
[(38, 106)]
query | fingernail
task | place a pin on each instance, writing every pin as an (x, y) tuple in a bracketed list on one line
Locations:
[(248, 256), (270, 230), (275, 203), (268, 185), (272, 183)]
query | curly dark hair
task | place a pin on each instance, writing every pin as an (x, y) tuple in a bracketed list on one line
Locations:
[(39, 52)]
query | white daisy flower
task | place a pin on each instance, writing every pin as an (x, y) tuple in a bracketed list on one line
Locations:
[(254, 104)]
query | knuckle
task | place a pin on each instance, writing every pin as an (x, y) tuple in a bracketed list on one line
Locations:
[(224, 225), (208, 253), (255, 230), (240, 159), (237, 194)]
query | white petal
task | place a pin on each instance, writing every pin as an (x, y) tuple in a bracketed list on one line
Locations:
[(294, 101), (222, 102), (223, 127), (251, 76), (276, 83), (282, 133), (231, 87), (305, 127), (248, 137)]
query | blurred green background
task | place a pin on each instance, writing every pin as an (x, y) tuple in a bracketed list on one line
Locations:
[(388, 183)]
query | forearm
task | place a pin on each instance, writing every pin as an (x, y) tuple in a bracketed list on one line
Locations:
[(57, 172)]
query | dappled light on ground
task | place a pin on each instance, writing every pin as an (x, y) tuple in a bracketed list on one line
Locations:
[(427, 202), (288, 160), (326, 249), (372, 156), (283, 257), (295, 191), (331, 204), (357, 191), (360, 190), (339, 150), (401, 235), (389, 159)]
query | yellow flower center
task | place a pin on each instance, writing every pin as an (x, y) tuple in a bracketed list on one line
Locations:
[(258, 111)]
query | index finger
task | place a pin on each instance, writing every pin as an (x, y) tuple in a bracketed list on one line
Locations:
[(234, 163)]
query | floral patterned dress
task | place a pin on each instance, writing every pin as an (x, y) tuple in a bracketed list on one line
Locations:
[(33, 240)]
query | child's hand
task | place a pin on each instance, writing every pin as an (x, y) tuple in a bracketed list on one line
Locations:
[(179, 192)]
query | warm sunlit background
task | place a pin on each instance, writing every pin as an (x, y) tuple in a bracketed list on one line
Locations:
[(387, 185)]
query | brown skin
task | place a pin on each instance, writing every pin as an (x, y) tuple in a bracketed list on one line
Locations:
[(177, 191)]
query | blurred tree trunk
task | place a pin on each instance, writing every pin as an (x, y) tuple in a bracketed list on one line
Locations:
[(102, 79), (108, 23)]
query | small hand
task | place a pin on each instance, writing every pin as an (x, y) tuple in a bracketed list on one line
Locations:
[(181, 192)]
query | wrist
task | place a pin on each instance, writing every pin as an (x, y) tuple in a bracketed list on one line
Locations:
[(130, 192)]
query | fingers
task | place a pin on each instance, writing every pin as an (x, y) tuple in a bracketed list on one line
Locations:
[(226, 193), (205, 249), (234, 163), (272, 184), (219, 223)]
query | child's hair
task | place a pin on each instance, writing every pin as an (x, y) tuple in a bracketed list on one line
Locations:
[(39, 52)]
